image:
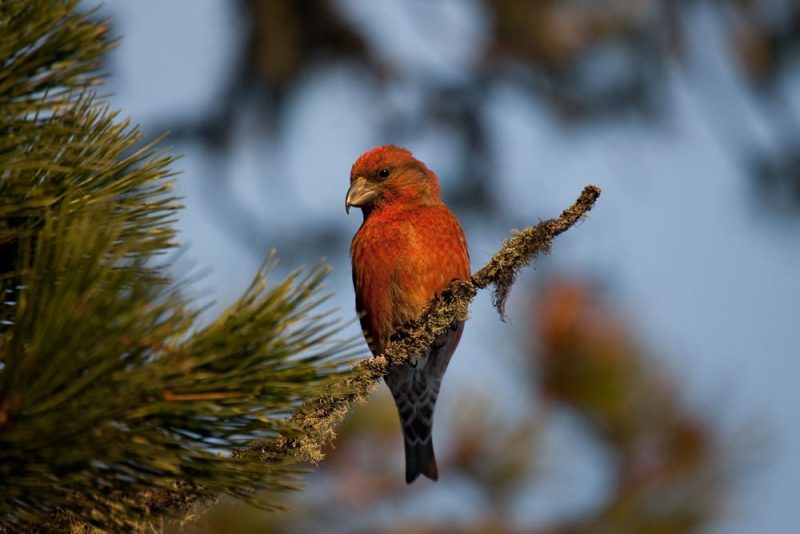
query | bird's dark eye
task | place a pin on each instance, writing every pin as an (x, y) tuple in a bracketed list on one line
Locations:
[(383, 173)]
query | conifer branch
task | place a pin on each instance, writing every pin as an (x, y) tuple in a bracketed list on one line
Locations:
[(312, 428), (319, 417)]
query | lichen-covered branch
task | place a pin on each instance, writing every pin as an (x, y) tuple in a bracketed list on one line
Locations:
[(315, 422), (319, 418)]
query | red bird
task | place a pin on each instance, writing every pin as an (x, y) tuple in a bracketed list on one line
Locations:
[(408, 249)]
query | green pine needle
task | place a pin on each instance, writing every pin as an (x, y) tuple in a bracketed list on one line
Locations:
[(115, 405)]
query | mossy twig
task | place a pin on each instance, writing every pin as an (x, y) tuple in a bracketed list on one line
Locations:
[(319, 418)]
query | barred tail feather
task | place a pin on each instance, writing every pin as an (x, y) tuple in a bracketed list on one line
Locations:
[(415, 388)]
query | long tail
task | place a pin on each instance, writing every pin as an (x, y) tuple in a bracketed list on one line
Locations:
[(415, 390), (415, 395)]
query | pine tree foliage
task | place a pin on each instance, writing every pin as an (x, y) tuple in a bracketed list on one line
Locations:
[(116, 404)]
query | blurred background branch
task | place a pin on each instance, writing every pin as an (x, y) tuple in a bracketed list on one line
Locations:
[(604, 402), (585, 61)]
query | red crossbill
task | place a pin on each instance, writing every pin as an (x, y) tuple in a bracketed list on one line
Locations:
[(408, 249)]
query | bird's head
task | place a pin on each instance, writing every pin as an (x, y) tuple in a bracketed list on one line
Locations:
[(390, 176)]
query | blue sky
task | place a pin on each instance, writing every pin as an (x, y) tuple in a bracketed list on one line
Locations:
[(708, 276)]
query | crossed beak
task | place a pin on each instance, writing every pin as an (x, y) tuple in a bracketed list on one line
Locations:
[(360, 194)]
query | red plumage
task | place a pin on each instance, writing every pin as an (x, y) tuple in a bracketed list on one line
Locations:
[(408, 249)]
